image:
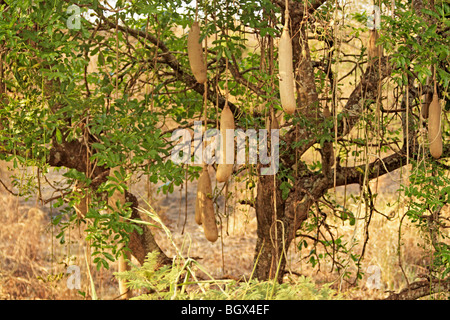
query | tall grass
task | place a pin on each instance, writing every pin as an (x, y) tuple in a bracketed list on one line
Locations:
[(179, 281), (33, 263)]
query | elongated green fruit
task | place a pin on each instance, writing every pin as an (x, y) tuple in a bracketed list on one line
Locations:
[(286, 73), (195, 53), (225, 170), (434, 127)]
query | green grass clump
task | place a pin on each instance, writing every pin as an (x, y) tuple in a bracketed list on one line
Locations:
[(180, 281)]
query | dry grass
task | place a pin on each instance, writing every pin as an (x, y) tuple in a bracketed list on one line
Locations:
[(33, 263)]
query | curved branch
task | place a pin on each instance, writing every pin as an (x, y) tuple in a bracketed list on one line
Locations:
[(170, 60), (365, 93), (420, 289), (378, 168)]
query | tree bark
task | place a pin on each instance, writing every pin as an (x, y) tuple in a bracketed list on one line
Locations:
[(277, 228), (278, 219), (269, 243), (420, 289), (141, 244), (73, 155)]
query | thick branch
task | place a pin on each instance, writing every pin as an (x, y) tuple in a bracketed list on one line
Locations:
[(141, 244), (311, 6), (363, 95), (420, 289), (379, 167)]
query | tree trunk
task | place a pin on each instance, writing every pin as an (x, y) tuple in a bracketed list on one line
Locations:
[(278, 220), (276, 228), (141, 244), (274, 239), (267, 252)]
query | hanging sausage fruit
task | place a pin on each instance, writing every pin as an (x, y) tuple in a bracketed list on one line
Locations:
[(286, 69), (195, 53), (204, 209), (434, 127), (224, 169)]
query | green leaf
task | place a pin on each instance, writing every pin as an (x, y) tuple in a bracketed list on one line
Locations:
[(109, 256), (431, 13), (58, 136)]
